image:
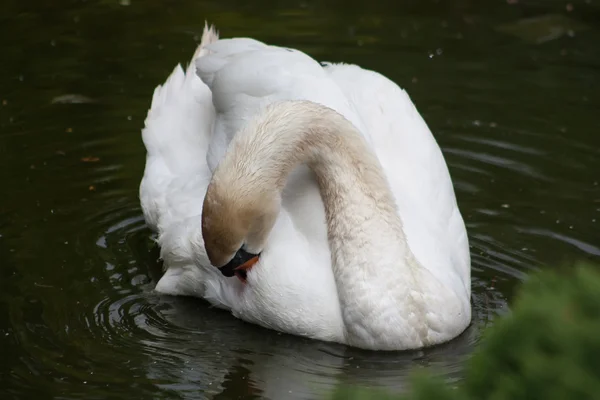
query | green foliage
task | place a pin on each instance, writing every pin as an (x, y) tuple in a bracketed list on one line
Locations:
[(547, 348)]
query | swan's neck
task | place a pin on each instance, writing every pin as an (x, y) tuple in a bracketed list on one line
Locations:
[(372, 264)]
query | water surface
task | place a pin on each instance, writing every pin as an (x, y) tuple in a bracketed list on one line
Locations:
[(512, 99)]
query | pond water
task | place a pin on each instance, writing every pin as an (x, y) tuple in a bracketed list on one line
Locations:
[(511, 91)]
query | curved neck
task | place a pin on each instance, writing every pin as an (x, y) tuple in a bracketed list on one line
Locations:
[(367, 242), (263, 154)]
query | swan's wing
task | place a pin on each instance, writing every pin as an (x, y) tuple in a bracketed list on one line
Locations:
[(245, 75), (177, 134), (416, 170)]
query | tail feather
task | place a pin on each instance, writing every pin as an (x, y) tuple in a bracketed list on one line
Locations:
[(209, 36)]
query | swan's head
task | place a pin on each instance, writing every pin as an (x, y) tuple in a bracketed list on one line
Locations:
[(235, 227)]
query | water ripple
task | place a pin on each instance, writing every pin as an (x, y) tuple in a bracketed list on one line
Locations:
[(506, 163), (579, 244)]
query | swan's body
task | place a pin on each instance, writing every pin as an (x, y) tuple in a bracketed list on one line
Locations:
[(399, 273)]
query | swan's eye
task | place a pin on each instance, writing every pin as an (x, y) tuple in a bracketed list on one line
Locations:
[(240, 264)]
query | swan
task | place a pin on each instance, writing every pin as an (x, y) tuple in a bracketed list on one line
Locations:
[(308, 198)]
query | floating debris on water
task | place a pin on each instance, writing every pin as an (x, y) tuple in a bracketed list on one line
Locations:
[(72, 99)]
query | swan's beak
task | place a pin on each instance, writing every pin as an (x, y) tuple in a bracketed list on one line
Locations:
[(239, 265), (242, 271)]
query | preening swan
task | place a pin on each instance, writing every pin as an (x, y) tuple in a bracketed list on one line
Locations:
[(319, 187)]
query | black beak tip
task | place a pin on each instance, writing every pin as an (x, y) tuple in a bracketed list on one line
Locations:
[(241, 257)]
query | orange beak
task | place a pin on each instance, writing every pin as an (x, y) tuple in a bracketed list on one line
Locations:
[(242, 271)]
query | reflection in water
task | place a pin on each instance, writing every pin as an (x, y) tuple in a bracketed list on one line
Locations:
[(78, 315)]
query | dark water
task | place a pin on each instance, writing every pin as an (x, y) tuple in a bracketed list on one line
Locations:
[(514, 106)]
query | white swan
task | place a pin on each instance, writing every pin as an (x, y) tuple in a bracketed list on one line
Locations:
[(329, 173)]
